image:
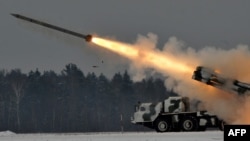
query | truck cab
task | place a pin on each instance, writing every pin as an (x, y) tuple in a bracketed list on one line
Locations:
[(148, 112)]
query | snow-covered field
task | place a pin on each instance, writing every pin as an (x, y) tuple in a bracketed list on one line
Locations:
[(131, 136)]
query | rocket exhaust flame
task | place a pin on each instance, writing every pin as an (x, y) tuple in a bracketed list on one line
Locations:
[(120, 48), (146, 57)]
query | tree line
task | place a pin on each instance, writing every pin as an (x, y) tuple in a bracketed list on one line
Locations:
[(72, 101)]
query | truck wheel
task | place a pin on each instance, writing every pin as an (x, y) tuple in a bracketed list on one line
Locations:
[(189, 124), (162, 125)]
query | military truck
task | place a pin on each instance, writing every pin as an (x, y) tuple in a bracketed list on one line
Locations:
[(175, 113)]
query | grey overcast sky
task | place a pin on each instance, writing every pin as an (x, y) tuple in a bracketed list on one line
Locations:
[(199, 23)]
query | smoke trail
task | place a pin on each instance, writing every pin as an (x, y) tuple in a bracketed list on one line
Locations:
[(176, 63)]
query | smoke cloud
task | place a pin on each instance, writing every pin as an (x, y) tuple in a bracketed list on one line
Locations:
[(232, 63)]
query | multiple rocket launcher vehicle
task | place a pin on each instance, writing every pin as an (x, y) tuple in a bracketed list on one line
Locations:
[(176, 114)]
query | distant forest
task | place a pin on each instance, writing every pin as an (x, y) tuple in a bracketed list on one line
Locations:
[(72, 101)]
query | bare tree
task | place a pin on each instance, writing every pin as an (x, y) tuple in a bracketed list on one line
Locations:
[(17, 81)]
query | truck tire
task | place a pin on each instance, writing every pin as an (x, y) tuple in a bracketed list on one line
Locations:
[(189, 124), (162, 125)]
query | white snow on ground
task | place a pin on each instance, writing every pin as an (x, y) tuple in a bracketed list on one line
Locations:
[(130, 136), (6, 133)]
